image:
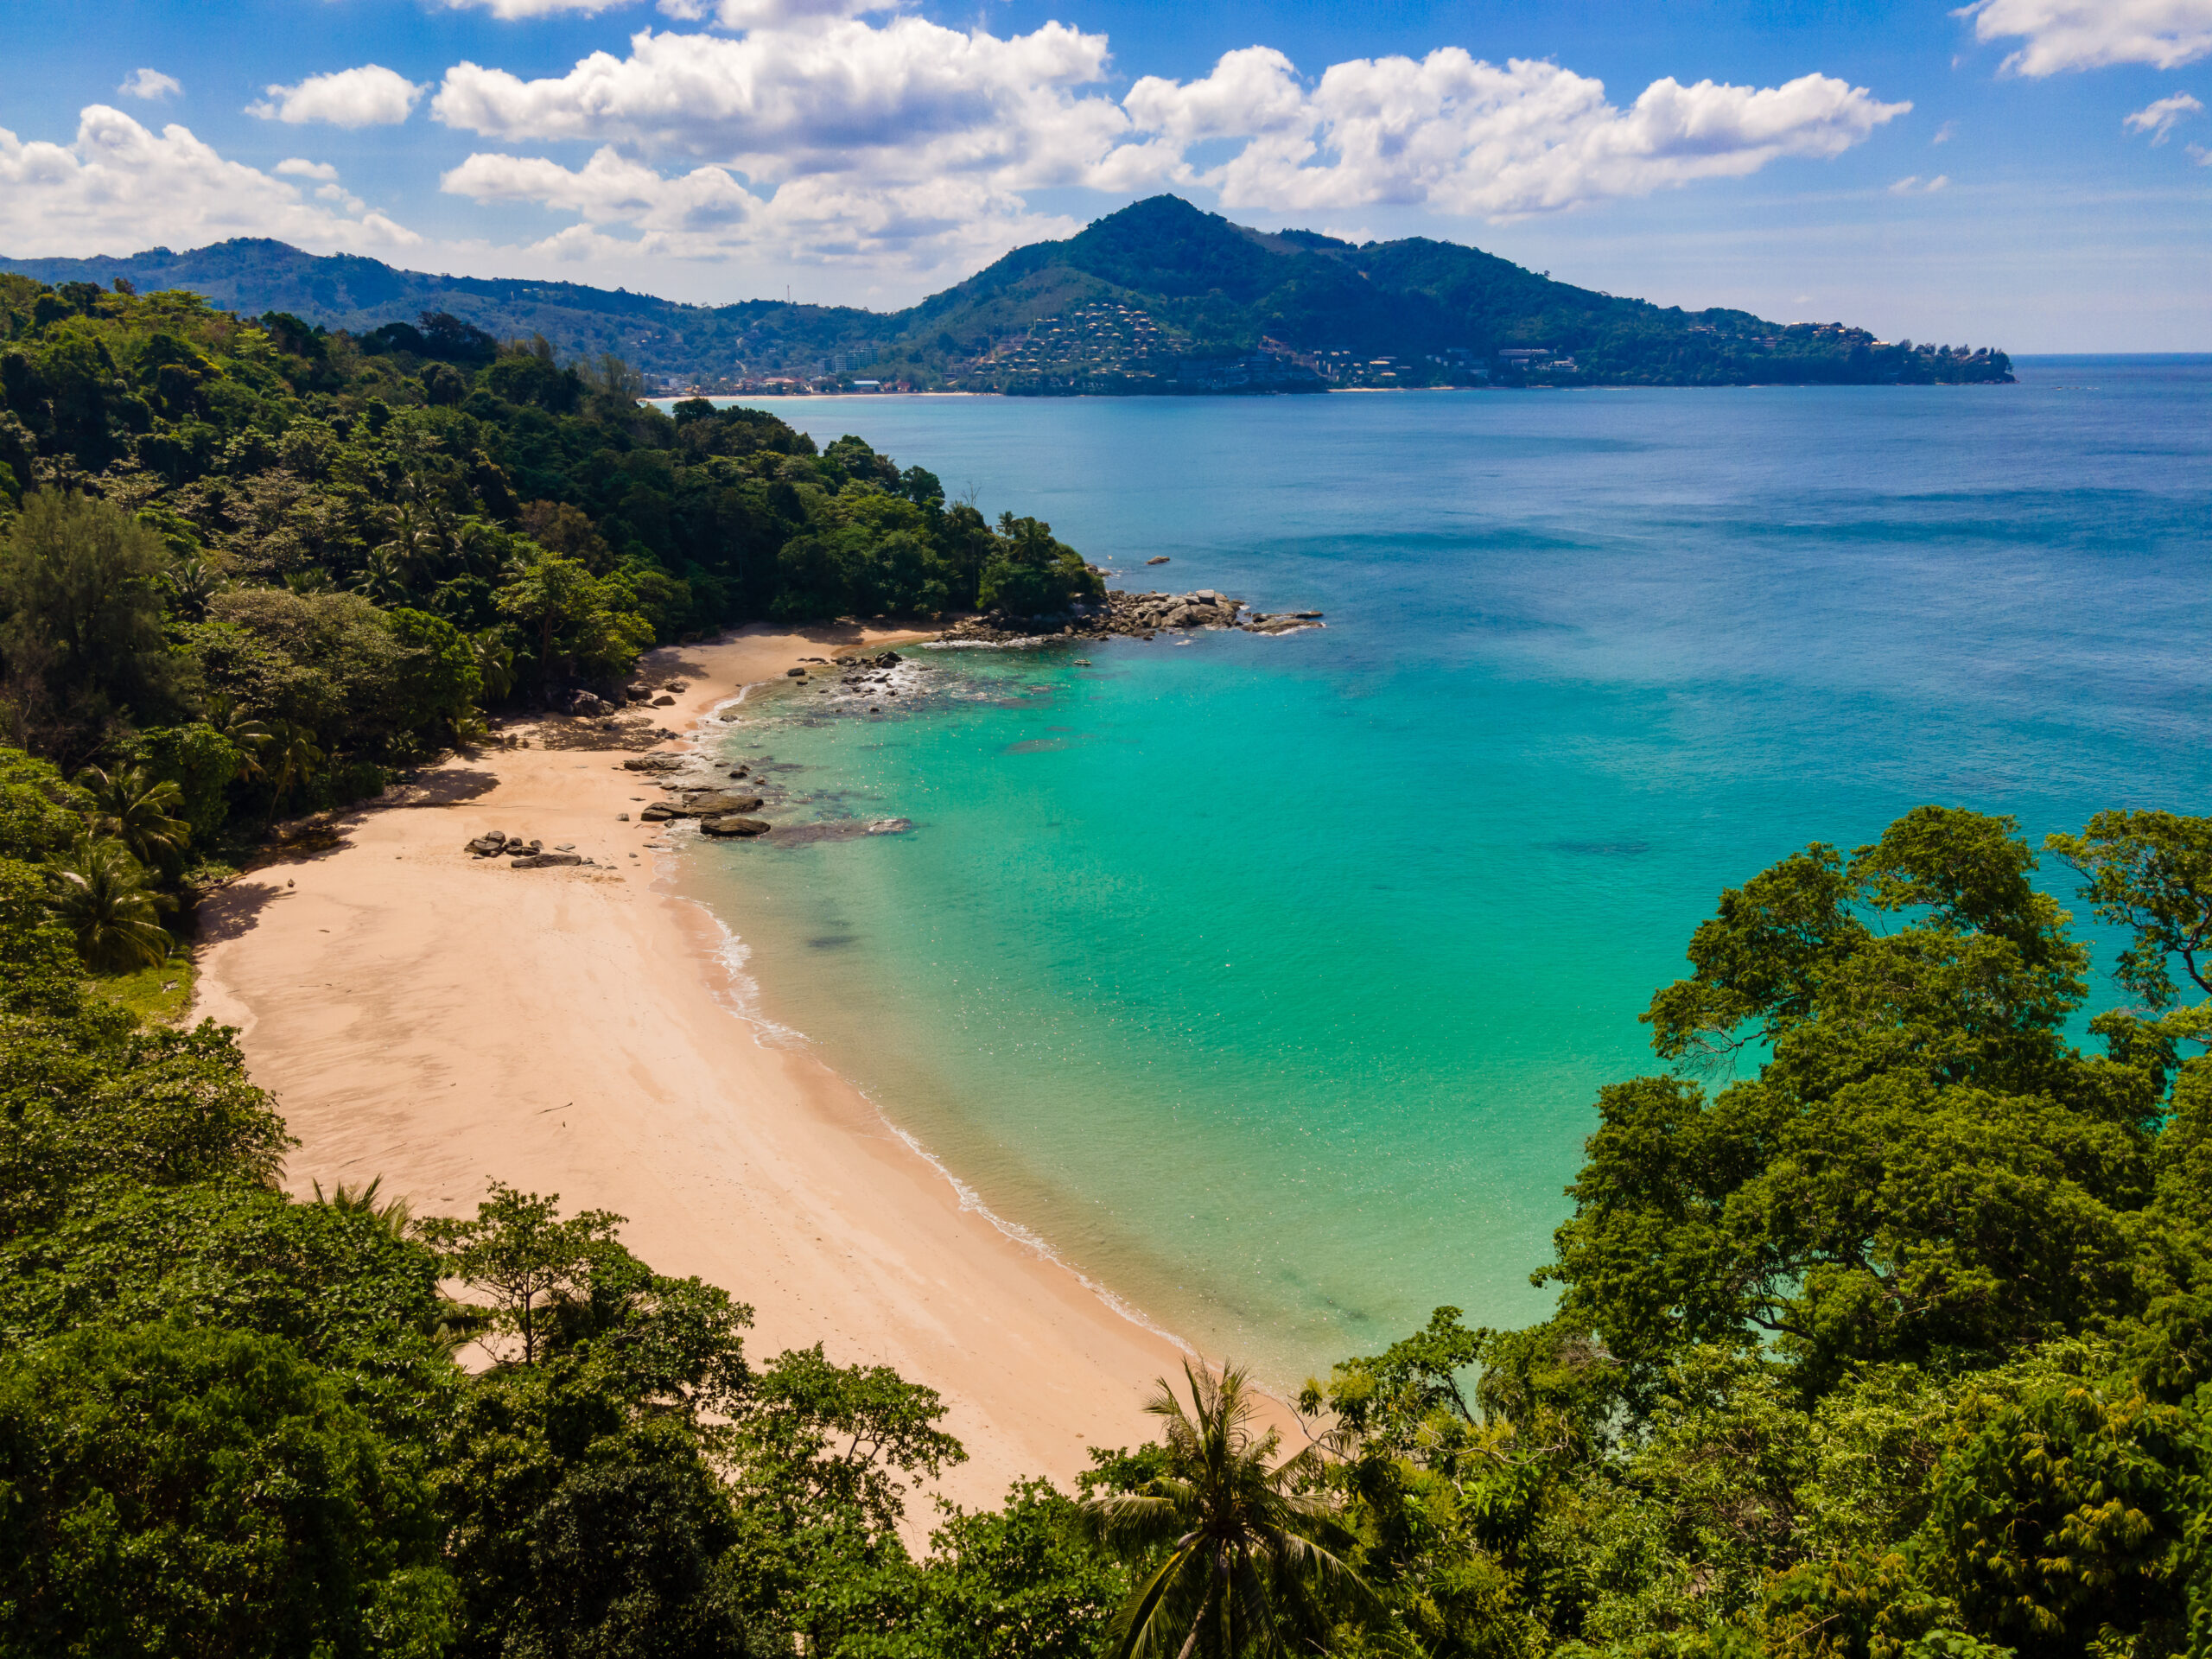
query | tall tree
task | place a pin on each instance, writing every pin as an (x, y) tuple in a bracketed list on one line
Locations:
[(81, 589), (1249, 1556)]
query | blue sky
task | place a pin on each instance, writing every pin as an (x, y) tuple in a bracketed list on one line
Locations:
[(2030, 174)]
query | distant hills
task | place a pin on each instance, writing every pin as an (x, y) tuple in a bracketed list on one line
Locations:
[(1158, 298)]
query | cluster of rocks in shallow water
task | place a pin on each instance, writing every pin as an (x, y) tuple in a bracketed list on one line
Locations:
[(1138, 615), (719, 813)]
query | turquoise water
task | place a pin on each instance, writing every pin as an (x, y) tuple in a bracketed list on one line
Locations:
[(1271, 981)]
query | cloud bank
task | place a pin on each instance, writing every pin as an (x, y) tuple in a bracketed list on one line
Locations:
[(848, 132), (921, 139), (119, 188), (2093, 34)]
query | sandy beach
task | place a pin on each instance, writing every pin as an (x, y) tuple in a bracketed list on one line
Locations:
[(438, 1020)]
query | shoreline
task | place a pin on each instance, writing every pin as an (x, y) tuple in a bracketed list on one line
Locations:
[(440, 1021)]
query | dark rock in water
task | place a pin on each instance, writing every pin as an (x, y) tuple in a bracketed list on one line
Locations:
[(890, 826), (1157, 559), (659, 812), (707, 804), (795, 673), (734, 825), (544, 860)]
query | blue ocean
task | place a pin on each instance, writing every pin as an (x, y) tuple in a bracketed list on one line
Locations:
[(1270, 981)]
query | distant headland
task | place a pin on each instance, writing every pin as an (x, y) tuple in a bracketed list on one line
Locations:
[(1158, 299)]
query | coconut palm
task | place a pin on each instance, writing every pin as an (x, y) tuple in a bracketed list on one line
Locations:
[(381, 580), (247, 737), (140, 813), (1248, 1549), (393, 1215), (191, 585), (495, 664), (99, 894), (294, 760)]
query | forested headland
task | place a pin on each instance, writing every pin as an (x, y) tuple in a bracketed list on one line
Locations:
[(1159, 298), (1884, 1319)]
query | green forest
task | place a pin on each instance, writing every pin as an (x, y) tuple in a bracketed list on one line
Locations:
[(1883, 1314), (362, 543)]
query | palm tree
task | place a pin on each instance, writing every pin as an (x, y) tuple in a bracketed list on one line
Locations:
[(99, 895), (191, 585), (140, 813), (295, 760), (381, 582), (1245, 1549), (247, 737), (495, 664), (393, 1215)]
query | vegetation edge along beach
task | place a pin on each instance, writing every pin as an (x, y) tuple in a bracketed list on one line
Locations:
[(1881, 1322)]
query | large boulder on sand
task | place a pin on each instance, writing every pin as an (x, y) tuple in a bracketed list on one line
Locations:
[(544, 860)]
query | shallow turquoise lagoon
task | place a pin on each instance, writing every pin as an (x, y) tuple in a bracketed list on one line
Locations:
[(1271, 981)]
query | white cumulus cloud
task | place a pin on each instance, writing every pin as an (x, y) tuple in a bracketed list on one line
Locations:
[(1457, 135), (835, 136), (2094, 34), (119, 187), (2158, 117), (371, 96), (149, 84), (905, 98)]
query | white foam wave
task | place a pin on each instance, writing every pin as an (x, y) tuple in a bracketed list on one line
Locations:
[(741, 995), (742, 998)]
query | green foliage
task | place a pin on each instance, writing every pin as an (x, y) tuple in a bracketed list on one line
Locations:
[(38, 812), (99, 895), (1922, 1165), (81, 597), (172, 1490), (1237, 1545), (268, 565), (1898, 1346), (1029, 573)]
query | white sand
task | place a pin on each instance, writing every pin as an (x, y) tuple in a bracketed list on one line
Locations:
[(439, 1019)]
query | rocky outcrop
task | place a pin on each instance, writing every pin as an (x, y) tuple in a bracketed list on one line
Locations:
[(700, 804), (1141, 615), (734, 825), (655, 762), (544, 860)]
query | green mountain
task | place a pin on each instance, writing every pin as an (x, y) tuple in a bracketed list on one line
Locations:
[(1158, 298)]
